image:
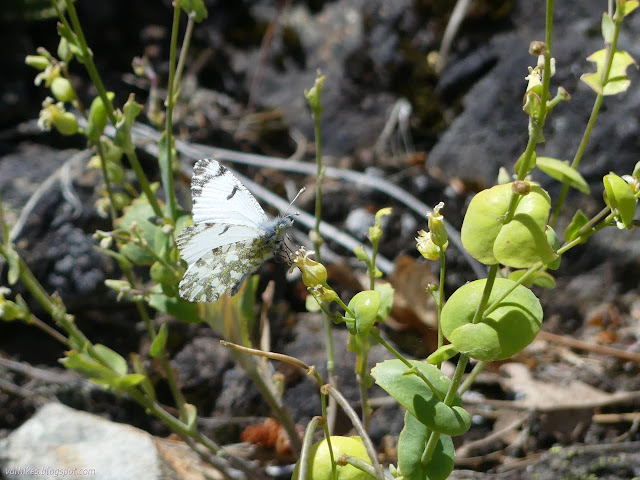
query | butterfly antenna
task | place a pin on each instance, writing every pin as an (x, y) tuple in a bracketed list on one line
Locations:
[(286, 212)]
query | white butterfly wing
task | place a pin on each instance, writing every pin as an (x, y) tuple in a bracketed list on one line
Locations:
[(219, 197), (196, 241)]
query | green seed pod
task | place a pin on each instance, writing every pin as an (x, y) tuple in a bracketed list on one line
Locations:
[(66, 124), (38, 62), (62, 89)]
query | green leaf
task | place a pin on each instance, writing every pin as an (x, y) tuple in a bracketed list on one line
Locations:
[(530, 166), (131, 110), (626, 7), (411, 445), (192, 415), (608, 28), (579, 220), (138, 213), (365, 306), (540, 279), (415, 395), (181, 309), (554, 243), (501, 333), (442, 354), (138, 367), (519, 243), (195, 8), (159, 343), (97, 118), (86, 366), (165, 277), (618, 81), (127, 381), (562, 171), (620, 197), (112, 359), (13, 259), (386, 301)]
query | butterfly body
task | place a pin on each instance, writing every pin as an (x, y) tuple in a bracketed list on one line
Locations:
[(231, 236)]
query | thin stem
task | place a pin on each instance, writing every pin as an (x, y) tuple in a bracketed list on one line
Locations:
[(6, 234), (448, 400), (486, 293), (611, 48), (186, 40), (361, 376), (307, 440), (355, 421), (441, 303), (33, 320), (107, 181), (142, 180), (166, 167), (471, 377), (409, 365), (88, 60)]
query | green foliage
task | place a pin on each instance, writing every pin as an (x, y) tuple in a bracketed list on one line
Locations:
[(618, 81), (620, 197), (423, 400), (491, 238), (562, 171), (499, 334), (411, 444)]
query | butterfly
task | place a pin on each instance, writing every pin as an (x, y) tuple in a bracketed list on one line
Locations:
[(231, 236)]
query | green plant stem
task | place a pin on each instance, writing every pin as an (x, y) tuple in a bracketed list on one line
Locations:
[(6, 233), (361, 377), (357, 463), (536, 124), (46, 328), (186, 40), (575, 163), (276, 404), (307, 441), (167, 166), (130, 152), (471, 377), (441, 304), (409, 365), (355, 421), (432, 442), (107, 181), (88, 59), (486, 293)]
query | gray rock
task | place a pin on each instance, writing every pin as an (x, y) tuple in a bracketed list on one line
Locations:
[(61, 443), (492, 130)]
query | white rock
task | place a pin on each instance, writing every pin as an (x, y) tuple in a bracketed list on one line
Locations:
[(61, 443)]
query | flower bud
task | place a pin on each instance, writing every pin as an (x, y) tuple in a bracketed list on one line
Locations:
[(426, 247), (437, 229), (61, 89), (313, 273), (64, 50), (537, 48), (520, 187), (54, 114), (38, 62)]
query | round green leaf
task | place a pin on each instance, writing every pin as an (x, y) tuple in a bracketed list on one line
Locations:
[(519, 243), (415, 395), (365, 306), (503, 332), (411, 444), (320, 460)]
